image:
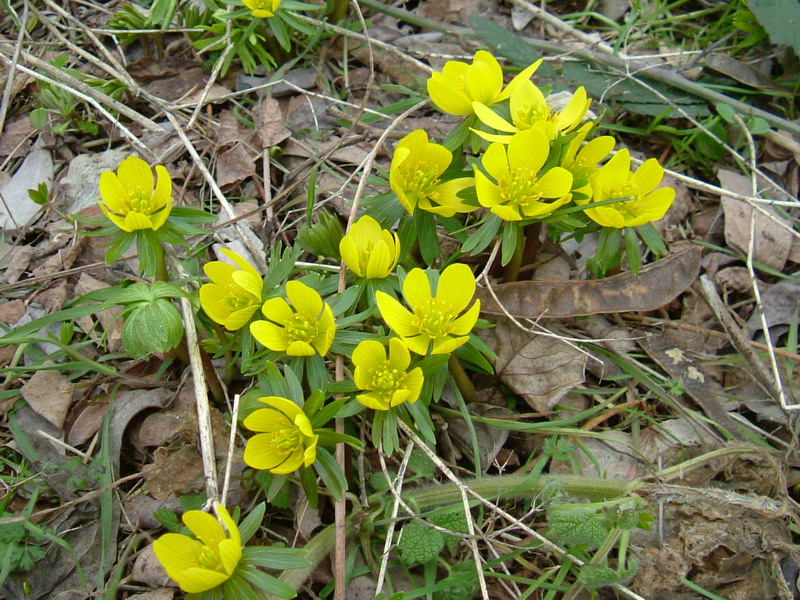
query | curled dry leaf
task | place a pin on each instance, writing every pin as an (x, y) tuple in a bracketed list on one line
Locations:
[(271, 128), (49, 393), (540, 369), (655, 286)]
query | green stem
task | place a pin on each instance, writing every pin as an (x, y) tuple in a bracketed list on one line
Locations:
[(161, 263), (461, 379), (511, 272)]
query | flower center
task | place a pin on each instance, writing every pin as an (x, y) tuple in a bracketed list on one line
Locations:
[(141, 202), (629, 197), (209, 559), (301, 329), (433, 320), (285, 441), (422, 178), (521, 188), (262, 5), (528, 115), (385, 378), (236, 299)]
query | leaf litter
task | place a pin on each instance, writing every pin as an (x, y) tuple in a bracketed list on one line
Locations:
[(726, 526)]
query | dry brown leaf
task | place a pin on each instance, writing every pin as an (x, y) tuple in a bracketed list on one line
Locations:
[(540, 369), (271, 128), (159, 594), (655, 286), (148, 570), (234, 165), (17, 262), (11, 311), (87, 423), (607, 458), (15, 140), (781, 306), (49, 393), (772, 243)]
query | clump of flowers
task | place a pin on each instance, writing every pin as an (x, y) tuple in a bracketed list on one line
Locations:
[(459, 84), (206, 561), (132, 199), (434, 324), (415, 176), (639, 200), (285, 439), (263, 9), (234, 294), (518, 190), (386, 380), (304, 328), (370, 251)]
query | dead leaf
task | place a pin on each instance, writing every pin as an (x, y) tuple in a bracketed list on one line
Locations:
[(12, 311), (17, 210), (15, 140), (781, 306), (159, 594), (540, 369), (49, 393), (655, 286), (53, 298), (490, 439), (109, 318), (138, 511), (271, 128), (306, 519), (146, 569), (604, 458), (87, 423), (175, 472), (772, 242), (234, 165), (17, 263)]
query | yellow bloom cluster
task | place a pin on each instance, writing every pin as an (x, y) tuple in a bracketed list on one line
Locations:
[(234, 295), (285, 439), (369, 251), (131, 199), (263, 9)]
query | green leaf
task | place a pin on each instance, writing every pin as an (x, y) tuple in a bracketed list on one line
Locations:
[(267, 583), (38, 117), (236, 587), (153, 327), (309, 482), (483, 236), (119, 245), (427, 236), (322, 415), (270, 557), (632, 250), (511, 234), (419, 543), (331, 473), (781, 19), (726, 112), (251, 523)]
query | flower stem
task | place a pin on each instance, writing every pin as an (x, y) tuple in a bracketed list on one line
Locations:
[(511, 271), (461, 379)]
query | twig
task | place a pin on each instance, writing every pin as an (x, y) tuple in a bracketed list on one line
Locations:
[(12, 69), (231, 447)]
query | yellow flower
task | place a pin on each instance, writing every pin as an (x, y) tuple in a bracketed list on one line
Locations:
[(639, 200), (434, 323), (131, 199), (201, 564), (529, 109), (459, 85), (519, 192), (233, 295), (285, 438), (414, 175), (302, 329), (386, 380), (369, 251), (582, 161), (263, 9)]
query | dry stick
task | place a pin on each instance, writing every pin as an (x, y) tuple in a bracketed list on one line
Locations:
[(231, 446), (12, 69), (214, 73), (756, 291), (75, 85), (125, 131), (493, 507), (200, 391), (249, 239), (340, 508), (740, 341), (387, 546)]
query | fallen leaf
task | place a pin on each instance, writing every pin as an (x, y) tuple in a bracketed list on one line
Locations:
[(11, 311), (655, 286), (146, 569), (540, 369), (87, 423), (271, 128), (17, 210), (53, 298), (15, 140), (772, 242), (781, 306), (609, 458), (490, 439), (17, 262), (49, 393), (159, 594), (234, 164), (138, 511)]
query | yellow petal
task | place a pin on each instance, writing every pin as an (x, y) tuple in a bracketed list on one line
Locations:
[(260, 453), (304, 299), (456, 287), (413, 383), (162, 195), (135, 221), (176, 553), (310, 453), (395, 314), (250, 283), (116, 219), (506, 213), (350, 256), (595, 151), (369, 354), (555, 183), (113, 193), (491, 118), (648, 176), (212, 299), (447, 345), (196, 580), (373, 401), (300, 348), (528, 149), (380, 261), (238, 318), (291, 464), (617, 170), (488, 192), (134, 173), (495, 161), (464, 324), (416, 289), (219, 272), (418, 344), (239, 261), (447, 98), (204, 526), (399, 358), (270, 335), (518, 79), (230, 551), (484, 78), (266, 420)]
